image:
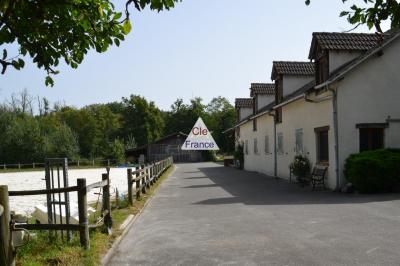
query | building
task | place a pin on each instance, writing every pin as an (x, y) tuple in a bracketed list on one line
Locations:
[(345, 100), (162, 148)]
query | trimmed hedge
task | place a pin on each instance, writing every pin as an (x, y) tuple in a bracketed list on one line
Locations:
[(374, 171)]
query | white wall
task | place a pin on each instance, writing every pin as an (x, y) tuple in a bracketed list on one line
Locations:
[(307, 116), (338, 58), (261, 162), (264, 100), (293, 83), (245, 112), (369, 94)]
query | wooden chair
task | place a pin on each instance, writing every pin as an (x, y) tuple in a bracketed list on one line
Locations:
[(318, 176)]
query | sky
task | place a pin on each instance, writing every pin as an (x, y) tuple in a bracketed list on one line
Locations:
[(201, 48)]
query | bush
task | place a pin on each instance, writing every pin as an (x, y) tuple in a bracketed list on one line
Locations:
[(209, 156), (301, 167), (374, 171)]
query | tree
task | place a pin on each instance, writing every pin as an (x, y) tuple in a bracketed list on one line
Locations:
[(373, 16), (49, 31), (142, 120), (221, 115)]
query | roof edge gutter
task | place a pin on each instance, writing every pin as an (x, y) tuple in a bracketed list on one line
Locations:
[(289, 101)]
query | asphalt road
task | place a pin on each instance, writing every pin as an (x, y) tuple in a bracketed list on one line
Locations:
[(205, 214)]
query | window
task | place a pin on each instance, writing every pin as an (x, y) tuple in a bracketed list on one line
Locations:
[(255, 147), (279, 147), (371, 139), (278, 115), (322, 68), (255, 104), (322, 144), (255, 124), (266, 145), (299, 141), (246, 146)]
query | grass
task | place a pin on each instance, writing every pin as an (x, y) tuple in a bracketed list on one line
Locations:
[(42, 251)]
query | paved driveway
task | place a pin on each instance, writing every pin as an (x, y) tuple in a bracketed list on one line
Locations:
[(205, 214)]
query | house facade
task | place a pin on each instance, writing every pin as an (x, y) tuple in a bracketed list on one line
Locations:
[(343, 101)]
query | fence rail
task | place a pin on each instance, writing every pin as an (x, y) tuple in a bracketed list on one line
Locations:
[(146, 176), (143, 178), (77, 163)]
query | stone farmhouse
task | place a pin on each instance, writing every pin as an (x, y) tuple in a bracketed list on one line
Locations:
[(346, 99)]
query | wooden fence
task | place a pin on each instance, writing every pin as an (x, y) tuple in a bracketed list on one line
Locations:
[(146, 176), (143, 178), (76, 163)]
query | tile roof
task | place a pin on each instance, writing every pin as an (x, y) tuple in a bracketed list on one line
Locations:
[(292, 68), (243, 102), (345, 68), (343, 41), (262, 88)]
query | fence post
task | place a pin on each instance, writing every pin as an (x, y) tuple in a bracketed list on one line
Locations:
[(4, 166), (130, 200), (19, 166), (6, 253), (147, 171), (138, 188), (93, 162), (108, 162), (33, 165), (143, 178), (82, 209), (107, 204), (78, 163)]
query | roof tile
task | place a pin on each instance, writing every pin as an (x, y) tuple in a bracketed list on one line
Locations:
[(262, 88), (243, 102), (292, 68)]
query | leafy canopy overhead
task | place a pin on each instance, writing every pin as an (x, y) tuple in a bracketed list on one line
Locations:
[(52, 30), (373, 16)]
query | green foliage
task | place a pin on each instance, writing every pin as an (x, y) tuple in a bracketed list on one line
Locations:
[(51, 31), (115, 150), (209, 156), (221, 115), (374, 171), (374, 15), (141, 119), (301, 166), (100, 131), (218, 115)]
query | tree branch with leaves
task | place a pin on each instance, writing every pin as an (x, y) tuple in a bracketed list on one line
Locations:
[(373, 16), (49, 31)]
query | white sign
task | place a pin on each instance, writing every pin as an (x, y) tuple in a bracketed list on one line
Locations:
[(200, 138)]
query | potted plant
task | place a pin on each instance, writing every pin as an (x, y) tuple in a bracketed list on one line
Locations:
[(301, 168)]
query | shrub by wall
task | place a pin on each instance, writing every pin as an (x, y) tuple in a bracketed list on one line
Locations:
[(374, 171)]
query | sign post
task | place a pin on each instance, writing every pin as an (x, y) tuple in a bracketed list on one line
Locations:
[(200, 138)]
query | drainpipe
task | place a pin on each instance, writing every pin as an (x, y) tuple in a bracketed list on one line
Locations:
[(275, 152), (336, 135)]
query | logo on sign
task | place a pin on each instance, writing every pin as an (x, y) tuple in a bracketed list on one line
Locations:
[(200, 138)]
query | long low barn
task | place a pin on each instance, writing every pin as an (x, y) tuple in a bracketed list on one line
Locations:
[(346, 100), (162, 148)]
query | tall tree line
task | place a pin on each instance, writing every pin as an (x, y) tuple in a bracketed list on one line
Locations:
[(100, 131)]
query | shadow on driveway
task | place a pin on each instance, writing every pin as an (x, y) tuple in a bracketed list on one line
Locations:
[(252, 188)]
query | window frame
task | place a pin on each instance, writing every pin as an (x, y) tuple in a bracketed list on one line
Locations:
[(299, 132), (318, 131), (255, 146), (266, 145), (279, 147)]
